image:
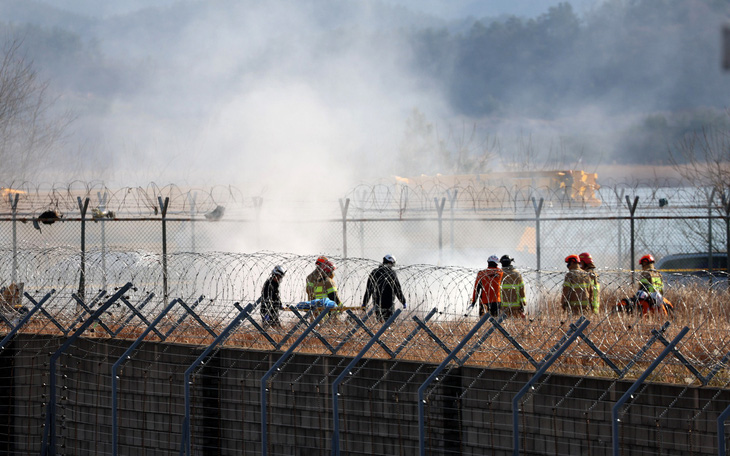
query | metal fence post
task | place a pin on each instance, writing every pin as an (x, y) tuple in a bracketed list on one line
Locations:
[(13, 200), (48, 445), (614, 411), (452, 201), (275, 367), (341, 377), (440, 211), (726, 208), (709, 231), (83, 206), (185, 438), (538, 210), (163, 212), (432, 377), (632, 211), (102, 209), (620, 249), (115, 368), (526, 387), (343, 208), (192, 221), (721, 451)]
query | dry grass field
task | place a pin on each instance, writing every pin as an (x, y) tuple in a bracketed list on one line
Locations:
[(624, 338)]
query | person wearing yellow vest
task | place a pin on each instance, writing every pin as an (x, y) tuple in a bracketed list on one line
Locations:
[(321, 281), (650, 279), (586, 264), (577, 291), (513, 289)]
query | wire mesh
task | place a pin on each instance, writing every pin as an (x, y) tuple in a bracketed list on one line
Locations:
[(468, 408)]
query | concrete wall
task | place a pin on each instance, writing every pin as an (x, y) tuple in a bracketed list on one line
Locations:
[(468, 412)]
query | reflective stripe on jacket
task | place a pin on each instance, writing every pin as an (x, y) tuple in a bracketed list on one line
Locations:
[(513, 288), (577, 289), (651, 281), (595, 289), (320, 286)]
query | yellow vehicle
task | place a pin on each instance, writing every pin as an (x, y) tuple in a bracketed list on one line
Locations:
[(576, 185)]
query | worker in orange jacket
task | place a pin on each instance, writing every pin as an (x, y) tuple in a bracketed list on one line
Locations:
[(488, 288)]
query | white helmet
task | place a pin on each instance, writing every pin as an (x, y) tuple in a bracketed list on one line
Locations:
[(493, 259), (388, 259), (278, 271)]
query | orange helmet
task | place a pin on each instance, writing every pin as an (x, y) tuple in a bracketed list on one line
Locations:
[(321, 260), (325, 265), (586, 258), (646, 259), (572, 258)]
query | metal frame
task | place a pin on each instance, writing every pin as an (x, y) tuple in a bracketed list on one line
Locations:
[(48, 445), (275, 367), (628, 394), (348, 370), (433, 376), (185, 448), (15, 328), (557, 353)]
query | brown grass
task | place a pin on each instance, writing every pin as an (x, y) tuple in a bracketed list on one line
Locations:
[(620, 336)]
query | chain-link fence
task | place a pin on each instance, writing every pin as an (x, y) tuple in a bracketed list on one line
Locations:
[(538, 233), (123, 370)]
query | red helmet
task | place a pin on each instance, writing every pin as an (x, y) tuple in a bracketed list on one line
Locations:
[(586, 258), (325, 265), (646, 259), (571, 258)]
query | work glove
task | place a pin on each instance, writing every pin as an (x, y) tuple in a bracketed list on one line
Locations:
[(405, 306)]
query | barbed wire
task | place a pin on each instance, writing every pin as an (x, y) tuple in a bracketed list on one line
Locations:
[(387, 198), (476, 198), (218, 280), (34, 199)]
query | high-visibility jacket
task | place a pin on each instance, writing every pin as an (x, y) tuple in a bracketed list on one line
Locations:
[(577, 290), (651, 281), (487, 287), (319, 286), (595, 288), (513, 288)]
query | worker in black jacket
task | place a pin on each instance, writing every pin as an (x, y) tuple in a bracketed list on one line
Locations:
[(271, 299), (383, 286)]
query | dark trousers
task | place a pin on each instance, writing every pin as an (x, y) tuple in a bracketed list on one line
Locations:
[(383, 313), (270, 316), (493, 308)]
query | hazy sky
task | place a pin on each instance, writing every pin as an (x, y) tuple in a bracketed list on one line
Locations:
[(446, 9), (260, 94)]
